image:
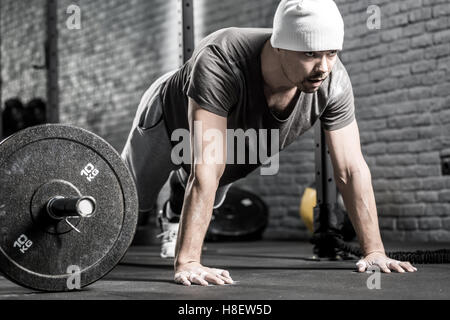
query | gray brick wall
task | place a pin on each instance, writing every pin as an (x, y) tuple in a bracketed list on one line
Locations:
[(107, 65), (400, 74), (23, 32), (401, 80)]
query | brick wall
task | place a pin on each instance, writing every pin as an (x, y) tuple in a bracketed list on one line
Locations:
[(401, 79), (106, 66), (400, 75), (22, 46)]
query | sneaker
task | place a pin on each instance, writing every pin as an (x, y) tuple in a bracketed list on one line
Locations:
[(169, 228)]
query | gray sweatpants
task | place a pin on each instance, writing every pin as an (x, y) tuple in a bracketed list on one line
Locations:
[(147, 152)]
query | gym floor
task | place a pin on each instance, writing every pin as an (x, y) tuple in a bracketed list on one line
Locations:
[(263, 270)]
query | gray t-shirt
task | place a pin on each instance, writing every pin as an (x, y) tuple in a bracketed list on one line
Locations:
[(224, 77)]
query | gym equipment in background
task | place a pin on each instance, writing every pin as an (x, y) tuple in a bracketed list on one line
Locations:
[(306, 211), (242, 216)]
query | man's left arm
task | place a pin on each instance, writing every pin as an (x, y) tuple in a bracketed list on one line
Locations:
[(353, 179)]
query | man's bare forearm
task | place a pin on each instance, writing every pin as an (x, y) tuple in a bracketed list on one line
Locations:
[(195, 218), (359, 200)]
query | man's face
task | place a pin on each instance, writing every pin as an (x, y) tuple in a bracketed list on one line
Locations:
[(302, 68)]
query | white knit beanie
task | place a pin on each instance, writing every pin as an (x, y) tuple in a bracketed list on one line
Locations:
[(307, 25)]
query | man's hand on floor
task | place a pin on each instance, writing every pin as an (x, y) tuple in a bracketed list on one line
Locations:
[(385, 263), (195, 273)]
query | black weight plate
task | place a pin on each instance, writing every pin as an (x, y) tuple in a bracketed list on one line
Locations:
[(242, 216), (35, 164)]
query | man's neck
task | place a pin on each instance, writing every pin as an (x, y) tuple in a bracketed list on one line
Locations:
[(273, 76)]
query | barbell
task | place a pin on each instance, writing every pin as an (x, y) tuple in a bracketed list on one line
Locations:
[(67, 202)]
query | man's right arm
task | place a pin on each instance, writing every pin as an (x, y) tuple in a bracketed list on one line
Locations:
[(199, 197)]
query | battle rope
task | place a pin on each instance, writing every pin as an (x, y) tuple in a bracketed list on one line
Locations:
[(418, 257)]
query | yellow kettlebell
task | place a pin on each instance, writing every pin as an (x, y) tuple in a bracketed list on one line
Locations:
[(307, 204)]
